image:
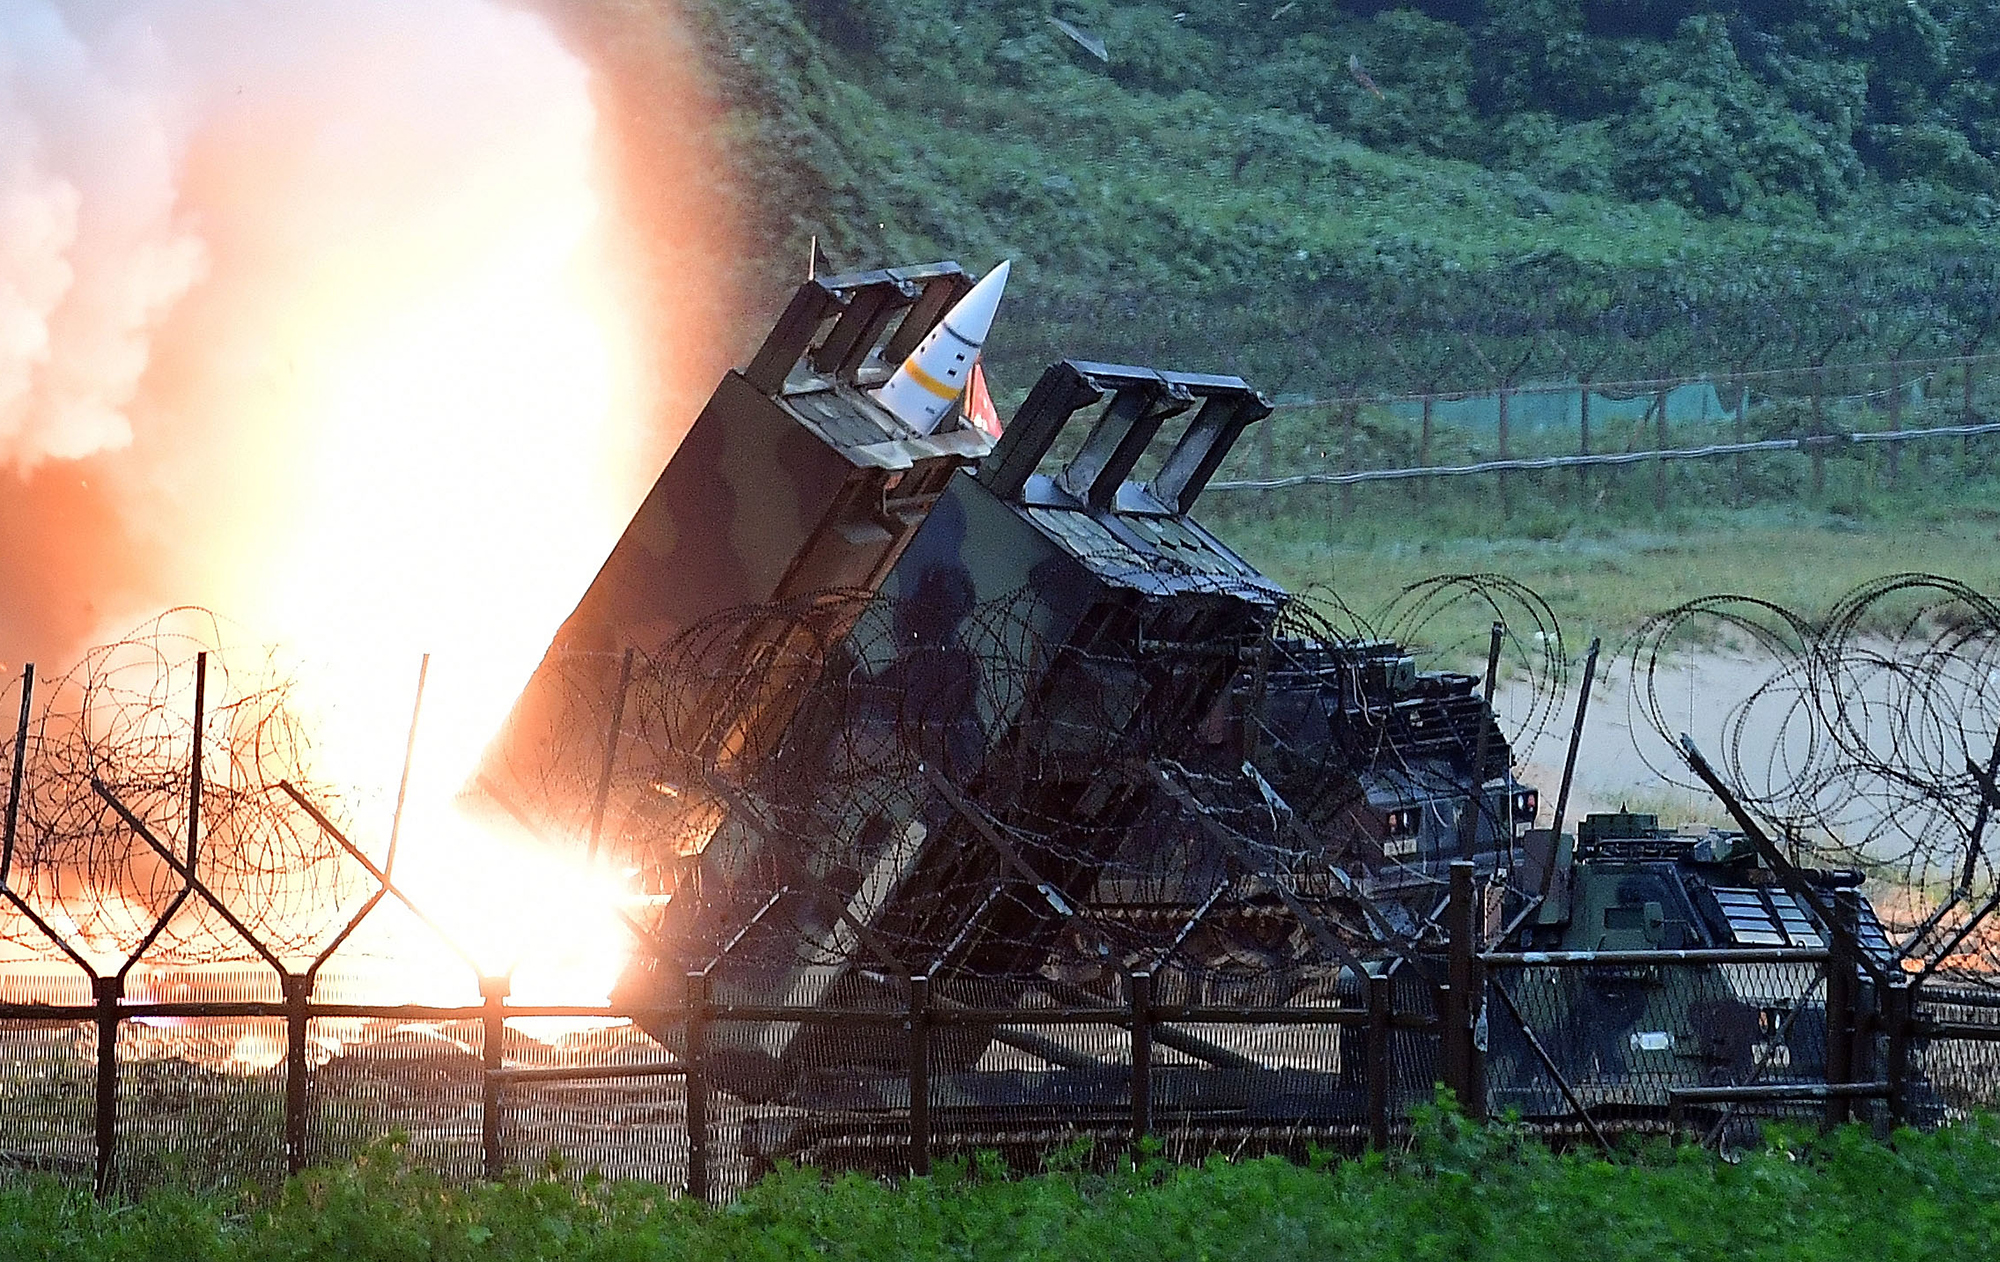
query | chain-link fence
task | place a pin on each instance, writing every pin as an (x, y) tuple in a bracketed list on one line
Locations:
[(1833, 433), (1179, 954)]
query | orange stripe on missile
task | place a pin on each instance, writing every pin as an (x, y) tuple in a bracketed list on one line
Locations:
[(928, 382)]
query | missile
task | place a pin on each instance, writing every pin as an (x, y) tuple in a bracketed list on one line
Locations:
[(935, 374)]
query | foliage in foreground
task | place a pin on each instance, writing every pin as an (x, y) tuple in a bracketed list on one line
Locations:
[(1462, 1191)]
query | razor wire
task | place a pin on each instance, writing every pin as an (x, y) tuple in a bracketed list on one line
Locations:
[(116, 735), (861, 784), (1865, 739)]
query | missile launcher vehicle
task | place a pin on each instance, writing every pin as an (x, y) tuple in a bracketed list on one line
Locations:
[(1001, 725), (992, 714), (989, 767)]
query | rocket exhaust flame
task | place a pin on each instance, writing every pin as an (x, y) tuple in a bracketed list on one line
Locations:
[(316, 317)]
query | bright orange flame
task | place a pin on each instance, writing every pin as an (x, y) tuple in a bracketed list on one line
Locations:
[(452, 495), (411, 400)]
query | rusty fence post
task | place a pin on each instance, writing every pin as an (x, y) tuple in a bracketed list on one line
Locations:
[(492, 1099), (695, 1056), (1378, 1061), (920, 1075), (106, 991), (297, 991), (1449, 1054), (1840, 1003), (1142, 1059)]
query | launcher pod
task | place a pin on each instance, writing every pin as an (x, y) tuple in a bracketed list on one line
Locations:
[(793, 481), (985, 746)]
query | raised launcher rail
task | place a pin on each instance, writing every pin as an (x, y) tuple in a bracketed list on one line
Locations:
[(971, 859), (792, 481)]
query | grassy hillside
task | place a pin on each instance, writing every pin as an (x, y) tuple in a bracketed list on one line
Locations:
[(1616, 184), (1542, 189)]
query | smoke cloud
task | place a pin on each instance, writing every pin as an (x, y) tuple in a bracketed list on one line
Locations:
[(324, 315), (92, 249)]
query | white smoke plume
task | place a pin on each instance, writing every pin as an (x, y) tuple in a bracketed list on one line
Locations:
[(93, 247), (319, 306), (364, 323)]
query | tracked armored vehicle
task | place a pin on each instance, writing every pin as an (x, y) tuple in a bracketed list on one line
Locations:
[(1691, 1015)]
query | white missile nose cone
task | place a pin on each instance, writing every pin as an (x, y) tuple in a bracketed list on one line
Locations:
[(926, 385), (972, 318)]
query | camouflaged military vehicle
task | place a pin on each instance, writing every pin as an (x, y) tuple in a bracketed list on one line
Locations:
[(1627, 889), (1043, 636), (1002, 716), (792, 482), (1381, 759)]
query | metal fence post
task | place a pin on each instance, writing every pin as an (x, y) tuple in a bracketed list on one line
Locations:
[(1424, 436), (1450, 1052), (492, 1046), (920, 1075), (1895, 452), (1464, 1006), (1737, 482), (1840, 997), (1378, 1061), (1897, 1015), (1264, 441), (106, 991), (1660, 444), (297, 990), (1142, 1058), (1967, 416), (1818, 430), (1350, 416), (610, 752), (695, 1056), (1583, 440)]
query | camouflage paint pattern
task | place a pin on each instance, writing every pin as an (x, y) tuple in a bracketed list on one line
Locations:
[(792, 480)]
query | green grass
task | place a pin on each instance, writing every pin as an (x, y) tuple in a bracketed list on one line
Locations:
[(1462, 1192), (1607, 581), (1602, 552)]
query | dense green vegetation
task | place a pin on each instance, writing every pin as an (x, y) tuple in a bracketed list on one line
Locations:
[(1461, 1192), (1540, 185)]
